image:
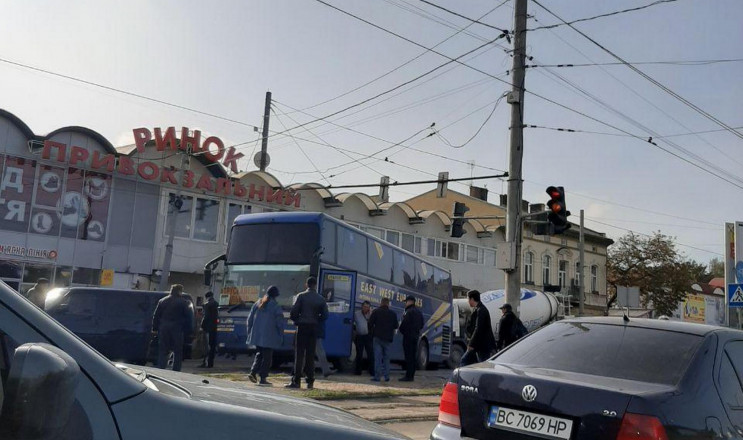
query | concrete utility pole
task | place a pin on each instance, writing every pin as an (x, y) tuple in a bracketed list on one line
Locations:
[(174, 207), (581, 282), (513, 213), (264, 140)]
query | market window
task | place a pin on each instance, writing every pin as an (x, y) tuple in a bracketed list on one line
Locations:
[(452, 251), (408, 242), (529, 268), (546, 270), (489, 257), (418, 245), (206, 218), (234, 210), (430, 247), (393, 237), (472, 252), (180, 207)]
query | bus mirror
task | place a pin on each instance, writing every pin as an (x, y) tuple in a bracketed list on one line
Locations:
[(207, 277)]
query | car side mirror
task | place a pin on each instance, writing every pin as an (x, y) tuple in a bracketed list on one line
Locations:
[(39, 394), (207, 277)]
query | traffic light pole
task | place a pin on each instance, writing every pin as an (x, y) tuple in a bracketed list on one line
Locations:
[(581, 277), (515, 183)]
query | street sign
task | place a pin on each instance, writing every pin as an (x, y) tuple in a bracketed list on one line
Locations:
[(735, 295)]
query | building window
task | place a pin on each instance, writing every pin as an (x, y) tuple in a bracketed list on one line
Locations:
[(408, 242), (418, 245), (562, 272), (452, 251), (529, 268), (393, 237), (594, 278), (546, 270), (431, 247), (379, 233), (489, 257), (196, 218), (472, 254), (564, 241)]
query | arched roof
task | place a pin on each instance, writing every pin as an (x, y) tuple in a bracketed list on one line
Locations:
[(18, 123), (269, 178), (87, 132), (363, 198), (316, 187), (441, 215), (413, 216)]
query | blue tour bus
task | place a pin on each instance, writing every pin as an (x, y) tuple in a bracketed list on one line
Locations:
[(284, 248)]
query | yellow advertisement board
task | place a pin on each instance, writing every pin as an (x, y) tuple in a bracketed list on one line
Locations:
[(107, 277), (694, 309)]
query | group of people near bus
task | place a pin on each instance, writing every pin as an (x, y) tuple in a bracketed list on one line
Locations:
[(374, 332)]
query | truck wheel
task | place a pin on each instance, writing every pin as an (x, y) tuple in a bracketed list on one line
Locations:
[(455, 356), (422, 355)]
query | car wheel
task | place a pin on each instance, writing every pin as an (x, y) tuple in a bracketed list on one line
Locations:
[(455, 356), (422, 356)]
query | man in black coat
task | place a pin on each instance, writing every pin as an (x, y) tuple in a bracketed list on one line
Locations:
[(410, 328), (382, 326), (209, 326), (507, 327), (309, 313), (482, 340), (173, 322)]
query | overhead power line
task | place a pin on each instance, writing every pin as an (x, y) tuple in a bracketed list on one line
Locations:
[(416, 182), (503, 31), (641, 63), (646, 76), (136, 95), (552, 26), (446, 141), (604, 133)]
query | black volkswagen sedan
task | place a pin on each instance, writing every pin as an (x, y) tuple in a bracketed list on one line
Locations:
[(602, 378)]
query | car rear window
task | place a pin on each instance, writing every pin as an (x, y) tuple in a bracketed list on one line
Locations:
[(622, 352)]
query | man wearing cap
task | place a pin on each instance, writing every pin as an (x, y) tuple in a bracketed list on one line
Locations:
[(410, 328), (37, 294), (507, 327), (209, 326)]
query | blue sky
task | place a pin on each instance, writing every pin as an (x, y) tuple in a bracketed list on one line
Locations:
[(221, 58)]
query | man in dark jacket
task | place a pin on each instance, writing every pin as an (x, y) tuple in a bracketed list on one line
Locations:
[(410, 327), (172, 322), (507, 327), (209, 326), (382, 326), (482, 340), (309, 312)]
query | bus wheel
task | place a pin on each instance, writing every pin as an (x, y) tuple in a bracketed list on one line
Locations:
[(422, 356), (455, 357), (346, 364)]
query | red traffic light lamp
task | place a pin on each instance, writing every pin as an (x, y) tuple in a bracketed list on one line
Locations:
[(558, 215)]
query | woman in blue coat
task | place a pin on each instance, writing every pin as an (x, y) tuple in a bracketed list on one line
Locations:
[(266, 332)]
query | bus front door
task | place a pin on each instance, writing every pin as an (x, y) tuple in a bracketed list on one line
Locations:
[(338, 289)]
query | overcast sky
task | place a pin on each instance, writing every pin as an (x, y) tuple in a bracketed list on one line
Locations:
[(221, 58)]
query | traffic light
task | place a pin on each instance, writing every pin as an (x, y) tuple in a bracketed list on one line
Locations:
[(457, 224), (558, 215)]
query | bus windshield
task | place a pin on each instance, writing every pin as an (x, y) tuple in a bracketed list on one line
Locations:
[(246, 283), (269, 243)]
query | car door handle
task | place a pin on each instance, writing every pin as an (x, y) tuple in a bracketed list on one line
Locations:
[(347, 321)]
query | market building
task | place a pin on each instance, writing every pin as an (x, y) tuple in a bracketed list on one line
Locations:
[(79, 211)]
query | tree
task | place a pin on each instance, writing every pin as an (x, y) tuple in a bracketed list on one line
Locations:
[(653, 264), (716, 268)]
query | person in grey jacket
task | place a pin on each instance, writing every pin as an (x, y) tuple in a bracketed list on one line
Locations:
[(309, 312), (266, 332)]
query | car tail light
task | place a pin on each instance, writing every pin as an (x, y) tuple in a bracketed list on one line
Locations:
[(641, 427), (449, 406)]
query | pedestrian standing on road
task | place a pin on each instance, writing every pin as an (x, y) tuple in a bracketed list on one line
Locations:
[(173, 323), (37, 294), (308, 312), (209, 326), (266, 333), (410, 327), (482, 341), (322, 358), (382, 326), (507, 326), (363, 340)]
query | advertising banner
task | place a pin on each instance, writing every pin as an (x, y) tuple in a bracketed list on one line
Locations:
[(693, 309)]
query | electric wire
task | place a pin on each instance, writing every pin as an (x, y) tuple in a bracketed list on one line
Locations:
[(646, 76), (640, 63), (504, 31), (552, 26), (446, 141)]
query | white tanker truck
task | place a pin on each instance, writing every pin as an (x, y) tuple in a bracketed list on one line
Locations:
[(537, 309)]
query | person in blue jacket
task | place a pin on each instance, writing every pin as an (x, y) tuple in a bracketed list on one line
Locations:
[(266, 332)]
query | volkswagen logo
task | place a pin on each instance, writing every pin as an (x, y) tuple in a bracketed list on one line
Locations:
[(529, 393)]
